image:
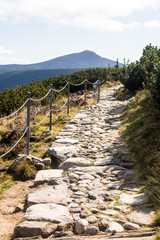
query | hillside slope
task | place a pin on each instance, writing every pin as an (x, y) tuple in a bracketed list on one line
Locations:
[(12, 79), (140, 129), (85, 59)]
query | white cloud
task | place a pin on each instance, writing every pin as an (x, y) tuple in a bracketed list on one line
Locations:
[(4, 51), (91, 14), (100, 24), (8, 56), (152, 24), (12, 60)]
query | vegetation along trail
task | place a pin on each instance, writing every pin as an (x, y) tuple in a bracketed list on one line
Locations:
[(94, 191)]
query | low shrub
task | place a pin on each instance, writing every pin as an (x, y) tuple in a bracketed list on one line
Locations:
[(25, 171)]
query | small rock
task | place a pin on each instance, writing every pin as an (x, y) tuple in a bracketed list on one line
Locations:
[(66, 141), (92, 230), (81, 226), (118, 207), (74, 189), (76, 216), (92, 219), (79, 194), (73, 205), (17, 162), (102, 207), (33, 228), (86, 176), (94, 210), (75, 210), (2, 168), (114, 227), (85, 213), (115, 185), (110, 212), (131, 226), (92, 195), (63, 234), (46, 161), (19, 208), (103, 224), (39, 166), (129, 176), (73, 162)]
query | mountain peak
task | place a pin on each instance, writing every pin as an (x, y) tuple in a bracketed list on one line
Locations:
[(82, 60)]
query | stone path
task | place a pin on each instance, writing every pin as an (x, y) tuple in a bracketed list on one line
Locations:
[(95, 189)]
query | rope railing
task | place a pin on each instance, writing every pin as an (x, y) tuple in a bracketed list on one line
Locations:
[(40, 99), (92, 83), (58, 110), (78, 84), (60, 90), (15, 144), (12, 114), (96, 88), (77, 99), (35, 125)]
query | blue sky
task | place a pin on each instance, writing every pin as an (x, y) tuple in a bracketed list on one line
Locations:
[(37, 30)]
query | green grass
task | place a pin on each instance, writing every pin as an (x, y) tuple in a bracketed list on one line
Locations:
[(120, 93), (141, 130), (157, 237), (5, 184)]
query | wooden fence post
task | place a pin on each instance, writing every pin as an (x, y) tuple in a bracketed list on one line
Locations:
[(50, 124), (68, 96), (98, 94), (85, 94), (28, 122)]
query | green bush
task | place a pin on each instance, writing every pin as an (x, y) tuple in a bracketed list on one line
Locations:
[(135, 79), (24, 172), (145, 73), (12, 99)]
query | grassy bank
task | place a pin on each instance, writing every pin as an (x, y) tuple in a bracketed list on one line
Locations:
[(141, 130)]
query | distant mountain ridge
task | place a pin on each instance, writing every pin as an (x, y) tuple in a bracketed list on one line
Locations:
[(13, 78), (82, 60)]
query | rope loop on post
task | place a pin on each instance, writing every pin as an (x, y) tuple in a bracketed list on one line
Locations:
[(78, 84), (40, 99), (61, 88)]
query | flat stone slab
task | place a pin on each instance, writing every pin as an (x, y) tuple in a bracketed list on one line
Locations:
[(62, 151), (114, 227), (134, 200), (48, 212), (73, 162), (142, 216), (33, 228), (66, 141), (104, 161), (58, 194), (92, 169), (115, 185), (46, 175), (96, 169), (65, 133)]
